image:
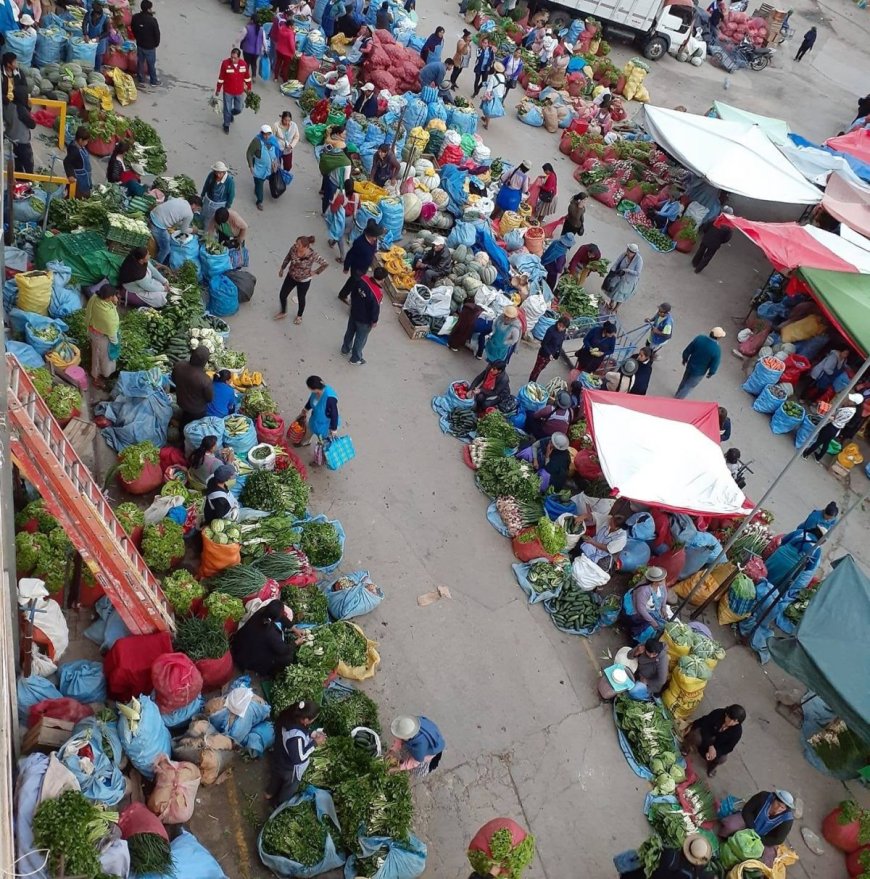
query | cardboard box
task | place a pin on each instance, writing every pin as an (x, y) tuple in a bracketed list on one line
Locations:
[(47, 735), (413, 331)]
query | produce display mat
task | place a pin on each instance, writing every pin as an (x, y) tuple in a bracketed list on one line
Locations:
[(637, 768), (645, 233)]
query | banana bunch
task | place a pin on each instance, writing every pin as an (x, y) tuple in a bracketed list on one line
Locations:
[(132, 710), (395, 265), (246, 379)]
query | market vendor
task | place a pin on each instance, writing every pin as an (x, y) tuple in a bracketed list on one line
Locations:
[(607, 540), (219, 502), (585, 253), (417, 747), (555, 418), (225, 400), (103, 322), (692, 861), (445, 93), (575, 222), (218, 191), (643, 611), (206, 458), (828, 517), (770, 814), (172, 215), (621, 380), (491, 387), (505, 335), (338, 84), (552, 458), (259, 646), (119, 172), (554, 257), (77, 163), (651, 672), (600, 114), (367, 102), (293, 749), (193, 388), (793, 564), (435, 263), (824, 373), (598, 343), (385, 166), (228, 227), (843, 415), (715, 735), (362, 46), (513, 189), (141, 280)]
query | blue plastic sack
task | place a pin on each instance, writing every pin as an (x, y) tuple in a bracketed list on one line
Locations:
[(436, 110), (83, 680), (462, 233), (50, 46), (65, 299), (532, 116), (767, 402), (26, 354), (214, 263), (240, 728), (82, 51), (353, 601), (514, 240), (392, 218), (265, 68), (181, 716), (242, 443), (331, 860), (494, 519), (403, 860), (521, 572), (99, 776), (703, 549), (191, 859), (260, 738), (807, 426), (10, 294), (196, 431), (328, 569), (527, 402), (772, 311), (107, 733), (641, 526), (428, 94), (554, 508), (21, 45), (108, 627), (635, 555), (781, 422), (454, 400), (545, 321), (184, 247), (149, 741), (223, 296), (761, 377), (31, 690), (38, 322), (462, 121), (354, 132), (31, 773)]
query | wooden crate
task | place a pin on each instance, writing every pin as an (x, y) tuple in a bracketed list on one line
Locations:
[(47, 735), (397, 296), (413, 331)]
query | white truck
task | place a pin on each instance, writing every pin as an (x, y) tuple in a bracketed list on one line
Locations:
[(657, 26)]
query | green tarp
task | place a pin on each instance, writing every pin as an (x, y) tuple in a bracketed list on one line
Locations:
[(830, 652), (845, 298), (84, 252), (775, 129)]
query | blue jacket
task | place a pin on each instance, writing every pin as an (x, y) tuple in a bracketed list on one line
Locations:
[(701, 356), (551, 345), (595, 339), (433, 73), (224, 402), (361, 255), (427, 743)]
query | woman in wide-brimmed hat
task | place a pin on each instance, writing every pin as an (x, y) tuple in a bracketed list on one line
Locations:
[(417, 746), (495, 89)]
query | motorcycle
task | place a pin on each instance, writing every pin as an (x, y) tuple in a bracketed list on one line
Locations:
[(755, 57)]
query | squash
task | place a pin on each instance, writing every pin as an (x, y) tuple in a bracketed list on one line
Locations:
[(439, 196), (411, 205), (488, 275), (471, 284), (482, 258), (460, 253)]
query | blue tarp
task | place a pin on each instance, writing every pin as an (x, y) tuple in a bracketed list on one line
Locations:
[(140, 410), (486, 241), (862, 169), (453, 183)]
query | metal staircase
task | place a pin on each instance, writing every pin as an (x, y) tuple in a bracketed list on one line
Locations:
[(47, 459)]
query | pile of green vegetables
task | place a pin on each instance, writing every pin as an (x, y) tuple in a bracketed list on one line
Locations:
[(575, 299), (319, 650), (293, 684), (694, 667), (320, 542), (70, 828), (41, 379), (342, 712), (238, 581), (36, 511), (296, 833), (648, 728), (573, 609), (201, 638), (222, 531), (162, 545), (552, 537), (308, 603), (64, 401), (258, 401), (181, 589), (512, 859), (278, 492), (28, 550), (508, 476), (222, 607), (152, 153), (179, 186), (132, 460), (496, 426), (461, 422), (351, 644), (278, 566), (547, 577), (130, 516), (150, 855), (271, 532)]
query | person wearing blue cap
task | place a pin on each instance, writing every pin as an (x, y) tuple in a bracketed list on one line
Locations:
[(770, 814)]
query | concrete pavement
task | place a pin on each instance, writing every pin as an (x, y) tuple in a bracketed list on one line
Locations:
[(514, 697)]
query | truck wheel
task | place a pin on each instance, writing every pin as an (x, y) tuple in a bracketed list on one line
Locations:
[(655, 48), (559, 20)]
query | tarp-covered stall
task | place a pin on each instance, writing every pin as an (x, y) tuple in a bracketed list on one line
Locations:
[(856, 143), (858, 168), (845, 300), (826, 651), (663, 452), (848, 202), (735, 156), (789, 246)]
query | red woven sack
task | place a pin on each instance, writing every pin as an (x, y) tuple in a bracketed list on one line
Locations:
[(177, 682), (171, 455), (215, 672), (138, 818), (59, 709), (481, 840), (150, 479), (586, 464), (271, 435), (128, 664)]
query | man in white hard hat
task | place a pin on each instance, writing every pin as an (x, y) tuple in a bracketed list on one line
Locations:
[(263, 157)]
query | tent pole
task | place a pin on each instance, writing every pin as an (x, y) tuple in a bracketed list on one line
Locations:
[(796, 571), (748, 518)]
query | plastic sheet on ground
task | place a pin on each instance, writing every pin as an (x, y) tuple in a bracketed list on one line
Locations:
[(403, 860), (637, 768), (497, 522), (140, 410), (354, 600), (521, 572)]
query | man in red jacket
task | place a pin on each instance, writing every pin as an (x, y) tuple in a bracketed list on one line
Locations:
[(234, 80)]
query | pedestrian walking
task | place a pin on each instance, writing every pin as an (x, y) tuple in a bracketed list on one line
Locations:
[(234, 80), (433, 45), (482, 64), (831, 430), (621, 282), (17, 119), (301, 264), (661, 327), (286, 132), (712, 238), (365, 309), (320, 413), (513, 68), (252, 42), (551, 346), (264, 159), (360, 257), (146, 31), (808, 42), (701, 358), (417, 746), (218, 191), (339, 216), (461, 57)]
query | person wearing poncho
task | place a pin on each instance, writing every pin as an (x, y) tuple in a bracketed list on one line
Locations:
[(643, 608), (101, 317), (259, 644), (554, 257)]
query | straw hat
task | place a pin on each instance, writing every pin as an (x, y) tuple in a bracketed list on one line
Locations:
[(220, 167), (511, 311), (498, 67), (697, 849), (654, 574), (559, 441), (405, 727), (718, 333)]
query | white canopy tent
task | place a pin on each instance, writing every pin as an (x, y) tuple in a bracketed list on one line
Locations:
[(735, 156)]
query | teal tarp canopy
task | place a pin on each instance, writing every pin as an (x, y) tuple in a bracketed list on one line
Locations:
[(775, 129), (830, 652)]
